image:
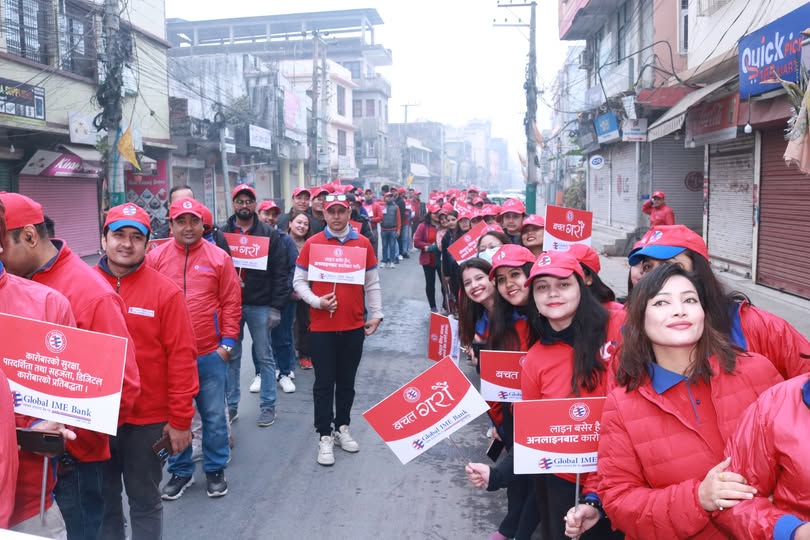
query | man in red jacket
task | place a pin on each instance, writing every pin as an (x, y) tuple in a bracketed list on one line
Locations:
[(166, 352), (658, 210), (214, 299), (30, 253)]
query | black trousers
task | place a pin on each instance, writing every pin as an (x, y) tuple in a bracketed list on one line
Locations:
[(135, 461), (335, 357), (301, 328), (430, 284), (555, 497)]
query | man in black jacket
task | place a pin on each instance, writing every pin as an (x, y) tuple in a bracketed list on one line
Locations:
[(264, 294)]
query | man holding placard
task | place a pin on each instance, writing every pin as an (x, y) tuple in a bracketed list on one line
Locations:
[(337, 276), (264, 294)]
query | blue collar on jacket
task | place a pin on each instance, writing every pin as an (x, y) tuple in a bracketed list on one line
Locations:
[(351, 236), (737, 336), (806, 393), (663, 379), (482, 325)]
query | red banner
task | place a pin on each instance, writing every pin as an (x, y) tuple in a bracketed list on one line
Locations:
[(466, 247), (557, 435), (443, 338), (337, 264), (565, 226), (426, 410), (63, 374), (500, 375), (248, 251)]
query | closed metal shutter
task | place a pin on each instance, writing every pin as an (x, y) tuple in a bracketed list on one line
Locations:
[(6, 177), (731, 201), (624, 211), (599, 193), (678, 172), (783, 259), (72, 203)]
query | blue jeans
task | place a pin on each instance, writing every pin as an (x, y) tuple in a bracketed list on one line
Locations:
[(212, 370), (390, 246), (256, 319), (78, 493), (281, 338), (405, 240)]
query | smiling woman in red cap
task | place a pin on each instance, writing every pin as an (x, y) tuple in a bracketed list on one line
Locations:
[(658, 210), (749, 328), (572, 338), (531, 233)]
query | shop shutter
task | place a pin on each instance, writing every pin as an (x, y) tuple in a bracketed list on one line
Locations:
[(624, 212), (784, 222), (72, 203), (599, 193), (731, 200), (6, 177), (678, 172)]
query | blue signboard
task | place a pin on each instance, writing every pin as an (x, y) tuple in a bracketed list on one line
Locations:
[(607, 128), (773, 49)]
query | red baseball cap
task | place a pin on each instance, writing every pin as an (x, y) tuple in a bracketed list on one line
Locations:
[(478, 200), (586, 255), (659, 195), (21, 210), (472, 188), (559, 264), (432, 208), (268, 205), (401, 190), (128, 215), (318, 191), (243, 187), (333, 199), (666, 241), (447, 207), (207, 217), (491, 210), (299, 190), (533, 219), (483, 194), (185, 206), (512, 256), (512, 205)]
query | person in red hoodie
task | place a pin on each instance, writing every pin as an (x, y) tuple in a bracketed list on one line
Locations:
[(30, 253), (660, 213), (160, 326), (682, 390), (21, 472), (213, 296)]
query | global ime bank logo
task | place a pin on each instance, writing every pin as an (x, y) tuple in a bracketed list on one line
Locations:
[(418, 444), (411, 394), (55, 341), (18, 398), (579, 412), (545, 463)]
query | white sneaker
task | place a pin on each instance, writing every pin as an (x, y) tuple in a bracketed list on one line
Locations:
[(344, 439), (399, 257), (256, 384), (326, 452), (287, 386), (278, 373), (292, 375)]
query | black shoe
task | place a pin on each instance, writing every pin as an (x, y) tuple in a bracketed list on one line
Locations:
[(175, 487), (233, 416), (217, 485), (405, 256)]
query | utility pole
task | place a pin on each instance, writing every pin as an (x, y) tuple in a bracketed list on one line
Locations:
[(313, 124), (322, 121), (405, 168), (531, 106), (109, 97), (219, 118)]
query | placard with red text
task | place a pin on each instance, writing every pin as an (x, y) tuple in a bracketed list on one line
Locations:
[(442, 338), (63, 374), (426, 410), (557, 435), (566, 226), (337, 264), (466, 247), (500, 375), (248, 251)]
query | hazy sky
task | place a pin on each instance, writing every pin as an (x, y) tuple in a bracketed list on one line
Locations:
[(448, 57)]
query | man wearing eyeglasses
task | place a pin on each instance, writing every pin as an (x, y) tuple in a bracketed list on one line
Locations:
[(337, 328), (264, 294)]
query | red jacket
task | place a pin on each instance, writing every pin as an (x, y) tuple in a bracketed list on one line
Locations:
[(24, 298), (773, 337), (210, 284), (651, 459), (425, 236), (96, 307), (374, 211), (160, 326), (548, 369), (769, 449), (663, 215)]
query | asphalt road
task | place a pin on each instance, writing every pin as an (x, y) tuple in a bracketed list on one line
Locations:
[(277, 490)]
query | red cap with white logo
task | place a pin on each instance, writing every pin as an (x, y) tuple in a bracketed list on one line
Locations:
[(185, 206), (559, 264)]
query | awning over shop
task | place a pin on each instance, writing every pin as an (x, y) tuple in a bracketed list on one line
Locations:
[(56, 164), (419, 170), (674, 118), (663, 97), (87, 153)]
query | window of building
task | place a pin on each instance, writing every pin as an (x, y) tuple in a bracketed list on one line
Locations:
[(28, 24), (370, 108), (341, 134), (341, 100), (621, 33), (709, 7), (76, 40), (370, 148), (357, 108), (683, 27), (354, 67)]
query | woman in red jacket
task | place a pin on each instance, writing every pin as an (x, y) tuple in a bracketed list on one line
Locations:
[(746, 327), (572, 336), (425, 241), (683, 389)]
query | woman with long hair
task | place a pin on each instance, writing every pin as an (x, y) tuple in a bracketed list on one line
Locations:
[(571, 338), (475, 306), (682, 391), (299, 229), (425, 241), (531, 233), (747, 327), (455, 229)]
